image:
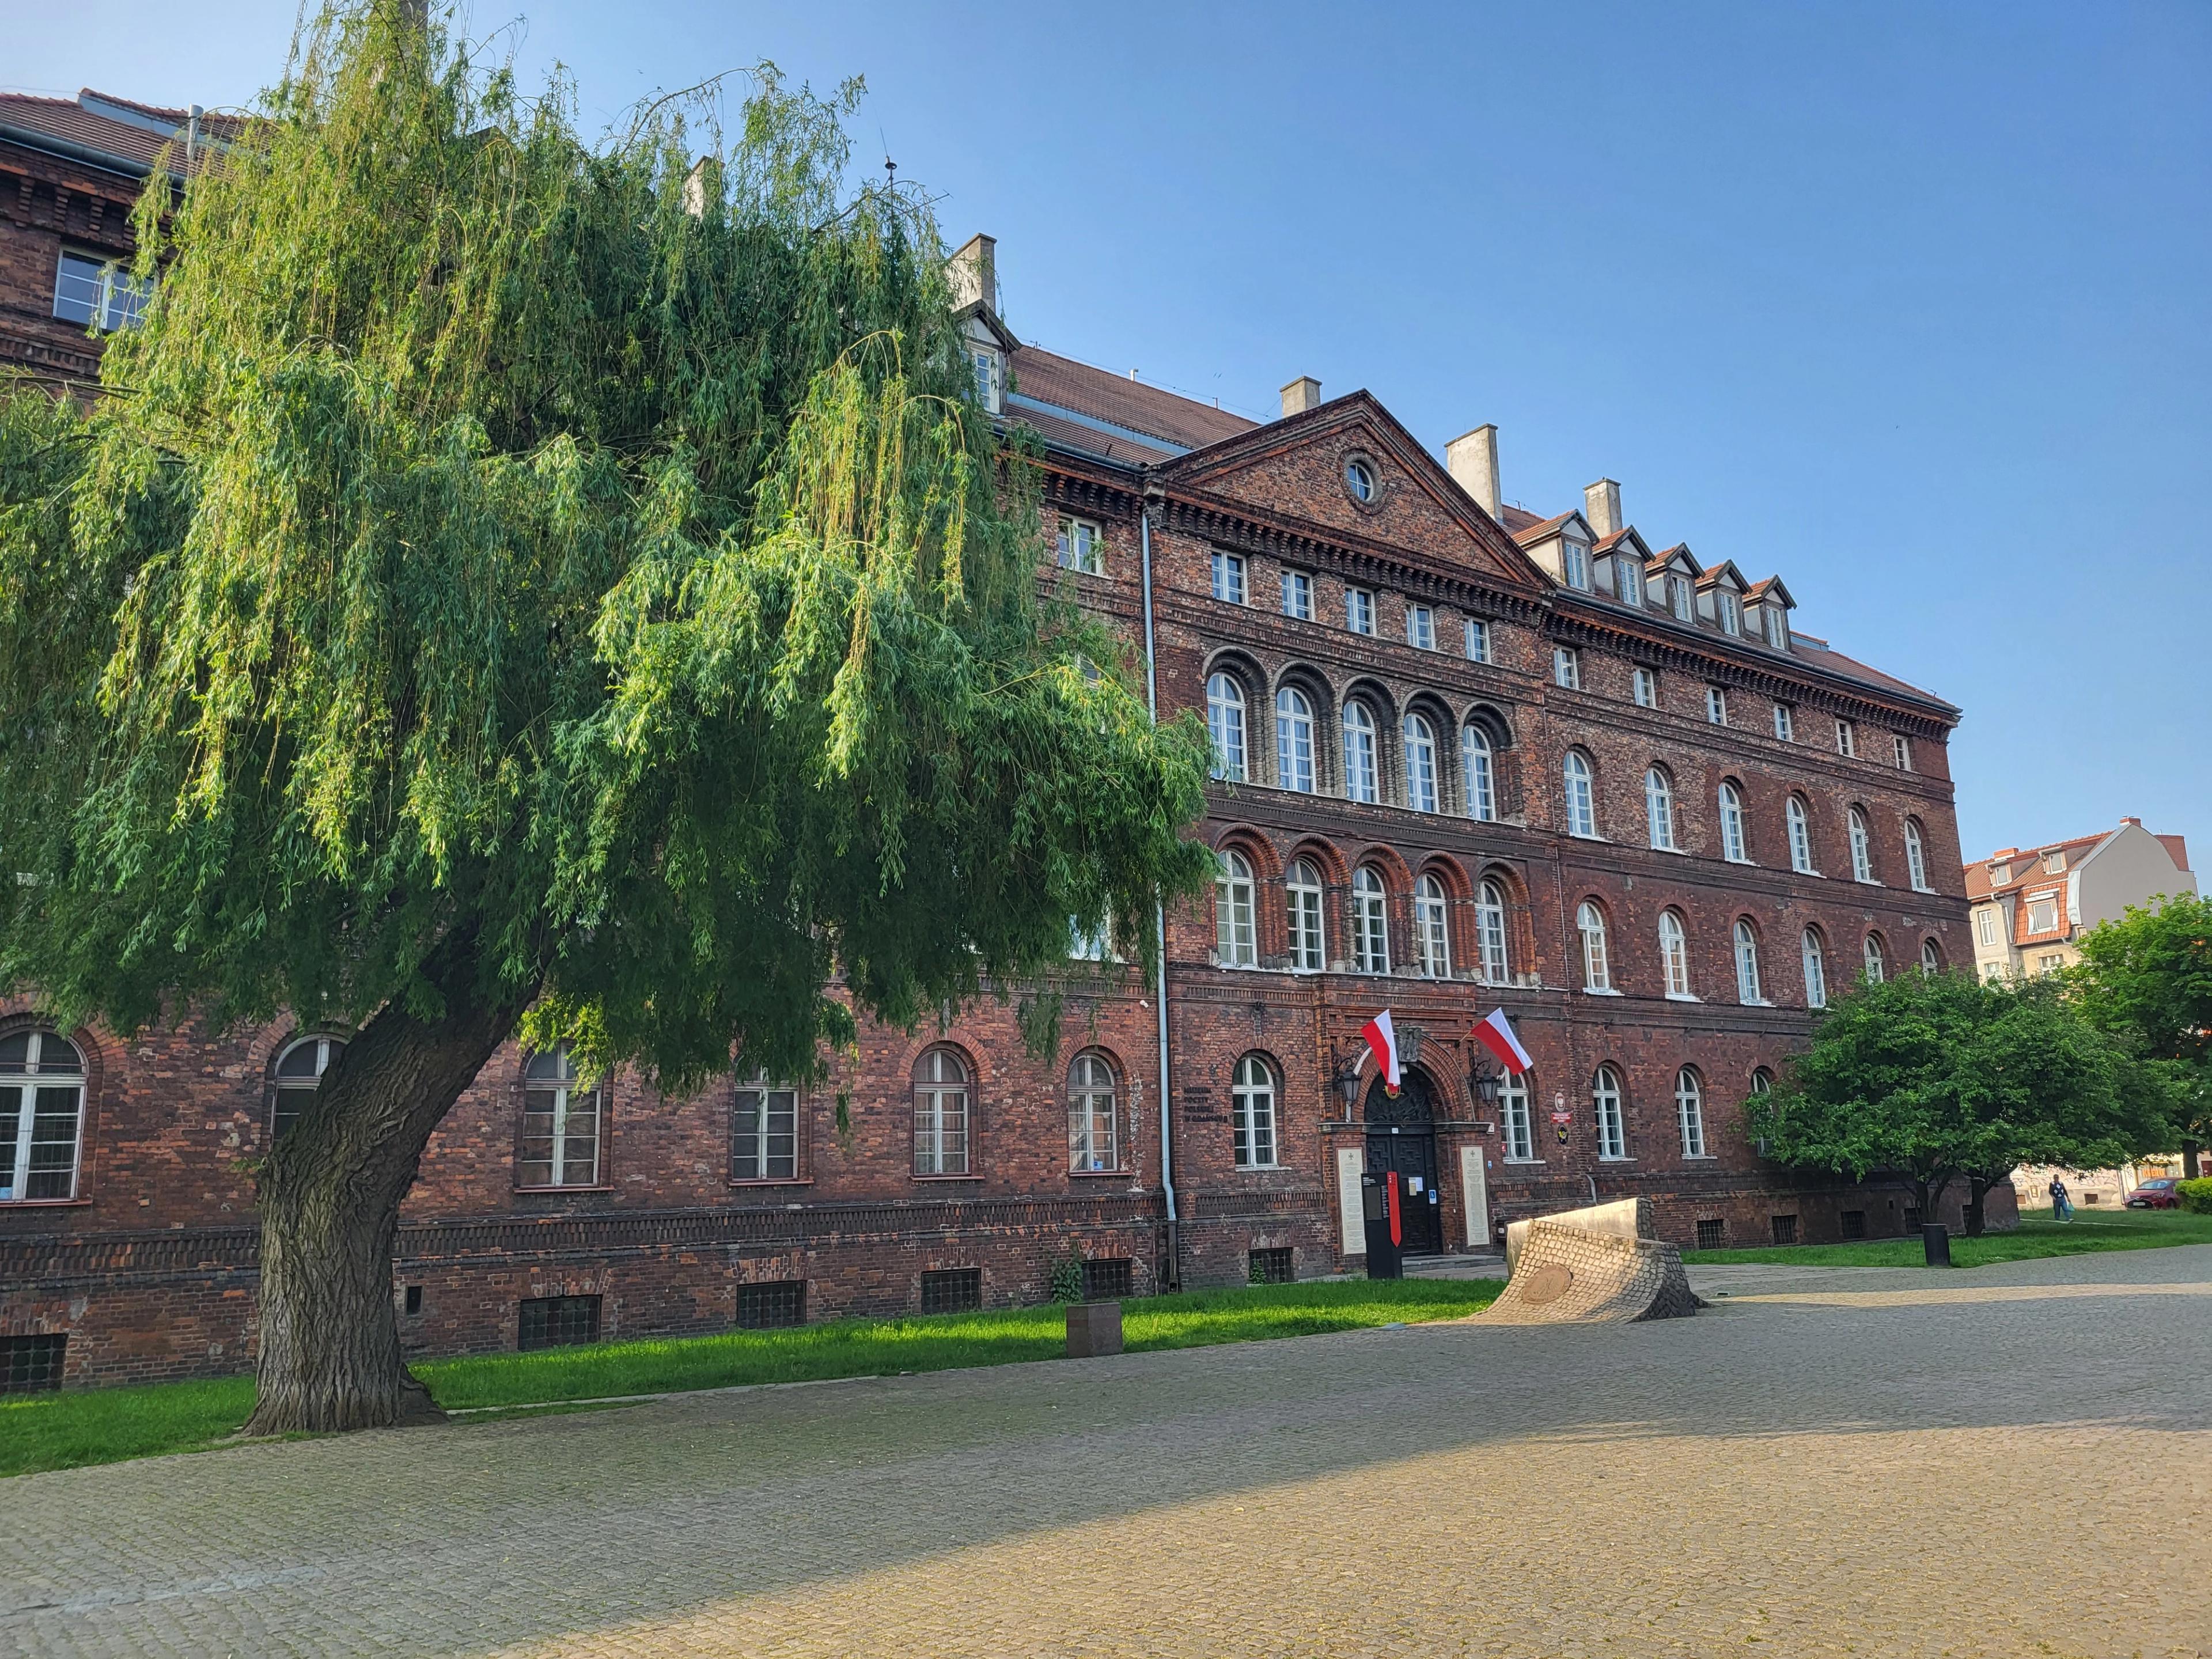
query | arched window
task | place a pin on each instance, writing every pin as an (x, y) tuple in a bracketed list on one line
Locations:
[(1801, 838), (1762, 1082), (1659, 808), (41, 1117), (1371, 923), (1612, 1129), (1746, 963), (1674, 953), (1931, 957), (1294, 741), (1420, 764), (1916, 862), (1252, 1099), (1093, 1138), (1581, 800), (1475, 768), (561, 1124), (940, 1114), (1361, 779), (1514, 1117), (1236, 944), (1816, 971), (1224, 721), (1431, 929), (1597, 967), (1877, 960), (1862, 847), (1690, 1109), (1301, 894), (1733, 847), (1490, 933), (300, 1071)]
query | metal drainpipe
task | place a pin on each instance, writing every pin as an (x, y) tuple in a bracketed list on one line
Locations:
[(1160, 940)]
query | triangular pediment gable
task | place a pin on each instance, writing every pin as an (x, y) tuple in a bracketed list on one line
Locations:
[(1676, 561), (1294, 471), (1725, 574)]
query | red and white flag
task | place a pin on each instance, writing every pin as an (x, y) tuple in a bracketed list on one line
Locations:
[(1496, 1034), (1384, 1042)]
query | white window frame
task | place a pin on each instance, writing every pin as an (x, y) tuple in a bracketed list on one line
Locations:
[(111, 297), (1847, 740), (1094, 1121), (2047, 907), (1861, 839), (1423, 772), (1517, 1121), (1574, 558), (1800, 821), (282, 1112), (1612, 1123), (1431, 929), (1731, 613), (1363, 771), (1226, 724), (1477, 640), (1420, 628), (759, 1146), (1746, 940), (1627, 580), (1236, 933), (1567, 667), (1295, 768), (1777, 627), (1645, 689), (1902, 747), (1580, 785), (1815, 959), (1674, 956), (1302, 903), (943, 1107), (1931, 956), (1874, 959), (1082, 547), (1597, 960), (1229, 577), (1659, 809), (1986, 926), (1734, 844), (1297, 595), (1716, 706), (1680, 599), (1492, 940), (1690, 1113), (562, 1084), (1359, 610), (1916, 859), (1785, 723), (1254, 1141), (1479, 778), (20, 1139), (1370, 921)]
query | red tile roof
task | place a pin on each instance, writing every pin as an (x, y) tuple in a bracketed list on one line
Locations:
[(1184, 421), (79, 121), (1538, 529)]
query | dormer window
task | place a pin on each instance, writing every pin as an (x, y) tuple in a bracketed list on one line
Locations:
[(1777, 627), (1679, 598), (985, 362), (2054, 864), (1731, 612), (1576, 559), (1627, 582)]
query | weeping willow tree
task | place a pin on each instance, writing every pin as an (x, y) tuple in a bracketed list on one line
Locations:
[(511, 584)]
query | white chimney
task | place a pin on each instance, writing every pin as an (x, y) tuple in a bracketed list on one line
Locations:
[(974, 273), (1602, 505), (1301, 395), (1472, 460)]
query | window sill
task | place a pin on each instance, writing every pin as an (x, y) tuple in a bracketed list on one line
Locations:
[(1600, 991), (1258, 1168), (1866, 881), (1623, 1158), (1523, 1163), (1678, 852), (7, 1204), (1748, 864), (1682, 996), (771, 1181), (945, 1177), (1699, 1158), (1100, 1175)]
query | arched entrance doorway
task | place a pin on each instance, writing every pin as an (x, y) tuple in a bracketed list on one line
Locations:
[(1401, 1137)]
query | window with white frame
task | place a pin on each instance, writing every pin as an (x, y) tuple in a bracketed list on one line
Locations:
[(1902, 749), (1659, 808), (1931, 957), (1362, 780), (1861, 847), (1597, 962), (1575, 557), (1359, 479), (99, 292), (1294, 741), (1847, 739), (1359, 610), (940, 1114), (1915, 860), (1432, 928), (561, 1124), (1092, 945), (1371, 923), (1302, 896), (41, 1117), (1612, 1126), (1690, 1112), (1785, 723), (1225, 722), (1816, 970), (1421, 766), (1581, 797), (1716, 706), (1985, 925), (2048, 965), (2042, 915), (1747, 965), (1680, 599), (1674, 955), (1877, 960), (1567, 667), (1777, 627), (1515, 1120), (984, 362), (1235, 942), (1801, 836), (300, 1071), (1228, 577), (1252, 1104), (1734, 847), (1420, 628), (1730, 611), (1094, 1142), (1627, 580), (764, 1133), (1477, 640), (1297, 595), (1646, 689), (1082, 547), (1474, 759), (1489, 935)]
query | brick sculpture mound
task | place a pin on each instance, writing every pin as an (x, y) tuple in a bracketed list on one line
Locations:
[(1571, 1275)]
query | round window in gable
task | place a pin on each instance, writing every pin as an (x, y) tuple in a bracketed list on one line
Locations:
[(1359, 479)]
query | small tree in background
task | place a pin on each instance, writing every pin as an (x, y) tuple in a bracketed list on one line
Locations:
[(2147, 977)]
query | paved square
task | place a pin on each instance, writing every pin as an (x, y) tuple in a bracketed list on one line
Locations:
[(2013, 1461)]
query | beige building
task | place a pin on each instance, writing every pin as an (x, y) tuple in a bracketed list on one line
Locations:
[(2032, 905)]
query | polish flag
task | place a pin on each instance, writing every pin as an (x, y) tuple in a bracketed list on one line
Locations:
[(1384, 1042), (1496, 1034)]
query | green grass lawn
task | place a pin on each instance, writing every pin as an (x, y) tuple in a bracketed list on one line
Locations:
[(104, 1426), (2037, 1235)]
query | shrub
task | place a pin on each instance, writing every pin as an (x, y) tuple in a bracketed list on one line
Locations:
[(2197, 1195), (1065, 1275)]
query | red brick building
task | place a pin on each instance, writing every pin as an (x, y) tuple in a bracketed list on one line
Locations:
[(1471, 759)]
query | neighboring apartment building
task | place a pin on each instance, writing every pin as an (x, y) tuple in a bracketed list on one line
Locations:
[(1470, 758), (2032, 905)]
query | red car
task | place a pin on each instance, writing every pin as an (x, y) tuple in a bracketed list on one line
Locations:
[(2157, 1194)]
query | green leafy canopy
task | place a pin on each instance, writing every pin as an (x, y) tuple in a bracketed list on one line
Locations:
[(591, 555)]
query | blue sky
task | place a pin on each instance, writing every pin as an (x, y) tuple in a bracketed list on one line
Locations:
[(1908, 303)]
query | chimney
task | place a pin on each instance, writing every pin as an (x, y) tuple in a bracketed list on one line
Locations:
[(1301, 395), (1602, 505), (695, 190), (1472, 460), (974, 273), (2136, 822)]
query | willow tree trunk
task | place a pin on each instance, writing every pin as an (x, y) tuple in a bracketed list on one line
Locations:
[(330, 1198)]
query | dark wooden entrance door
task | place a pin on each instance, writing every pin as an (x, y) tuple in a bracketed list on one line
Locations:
[(1402, 1139)]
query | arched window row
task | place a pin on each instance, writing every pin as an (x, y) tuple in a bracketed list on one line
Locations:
[(1610, 1112)]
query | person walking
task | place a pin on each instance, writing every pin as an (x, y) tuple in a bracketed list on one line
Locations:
[(2062, 1204)]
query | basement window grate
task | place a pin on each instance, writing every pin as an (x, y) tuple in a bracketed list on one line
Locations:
[(1712, 1235), (558, 1321), (1785, 1229), (32, 1364), (771, 1305), (1854, 1223), (952, 1290), (1109, 1279), (1273, 1266)]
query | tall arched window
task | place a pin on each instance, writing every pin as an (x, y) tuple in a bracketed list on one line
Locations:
[(1762, 1082), (1690, 1111), (1862, 847), (41, 1117), (1746, 963), (1931, 957), (1093, 1130), (1371, 923), (1294, 741), (1236, 944), (1302, 896), (1581, 799), (561, 1124), (1225, 722), (300, 1071), (1612, 1127), (940, 1114), (1475, 768), (1877, 960), (1659, 808), (1816, 971), (1432, 928), (1597, 966), (1361, 779), (1515, 1118), (1733, 846), (1252, 1102), (1490, 933), (1674, 953), (1420, 764), (1800, 837), (1915, 861)]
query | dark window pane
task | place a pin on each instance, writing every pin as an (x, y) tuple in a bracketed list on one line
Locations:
[(29, 1365), (765, 1307), (1272, 1266), (1107, 1279), (1854, 1223), (1711, 1234), (558, 1321), (1785, 1229), (952, 1290)]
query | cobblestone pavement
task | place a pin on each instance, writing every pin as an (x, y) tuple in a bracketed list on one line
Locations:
[(2013, 1461)]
